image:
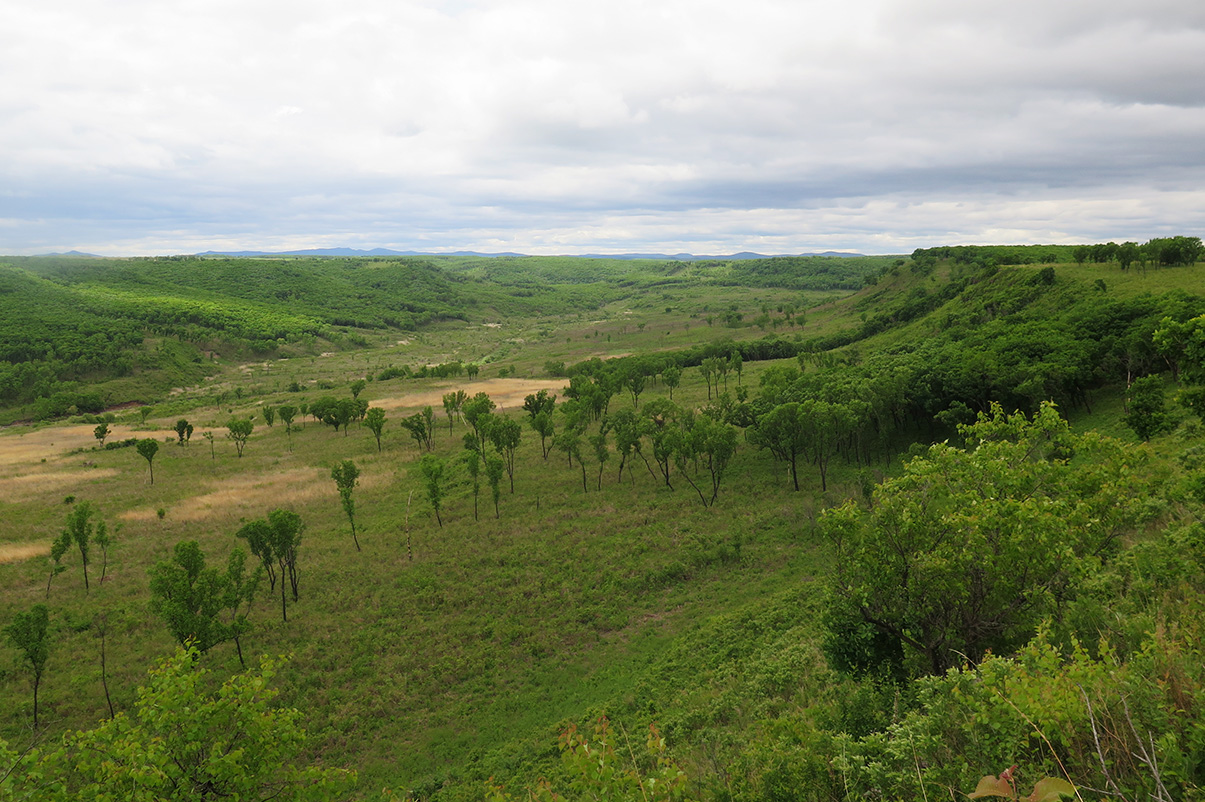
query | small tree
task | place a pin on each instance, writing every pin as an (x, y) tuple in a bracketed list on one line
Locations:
[(148, 448), (144, 412), (188, 739), (181, 430), (269, 415), (1147, 415), (287, 413), (432, 469), (276, 541), (209, 436), (100, 433), (239, 431), (357, 387), (672, 376), (190, 597), (28, 633), (505, 434), (494, 469), (374, 419), (472, 461), (345, 475), (81, 530)]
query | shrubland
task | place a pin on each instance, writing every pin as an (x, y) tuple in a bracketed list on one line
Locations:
[(772, 540)]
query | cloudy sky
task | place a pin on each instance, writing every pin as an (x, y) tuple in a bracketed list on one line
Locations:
[(557, 126)]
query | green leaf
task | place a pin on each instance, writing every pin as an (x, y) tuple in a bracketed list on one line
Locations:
[(992, 786), (1051, 789)]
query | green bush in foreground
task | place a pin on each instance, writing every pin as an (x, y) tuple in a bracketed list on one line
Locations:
[(181, 742)]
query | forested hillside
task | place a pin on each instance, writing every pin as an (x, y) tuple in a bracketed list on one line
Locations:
[(549, 528)]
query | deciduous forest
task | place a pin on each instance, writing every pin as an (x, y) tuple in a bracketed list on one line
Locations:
[(450, 528)]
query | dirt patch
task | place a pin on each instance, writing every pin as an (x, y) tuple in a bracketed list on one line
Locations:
[(506, 393), (15, 552)]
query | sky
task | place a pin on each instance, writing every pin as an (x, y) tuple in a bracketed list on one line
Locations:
[(143, 127)]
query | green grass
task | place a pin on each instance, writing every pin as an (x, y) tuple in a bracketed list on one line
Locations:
[(438, 672)]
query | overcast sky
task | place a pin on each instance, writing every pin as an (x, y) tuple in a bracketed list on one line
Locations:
[(556, 126)]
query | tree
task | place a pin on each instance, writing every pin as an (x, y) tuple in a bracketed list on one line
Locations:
[(287, 413), (475, 410), (494, 469), (972, 547), (345, 475), (545, 428), (1147, 415), (187, 740), (276, 541), (101, 432), (672, 376), (421, 426), (452, 405), (472, 461), (269, 415), (28, 633), (784, 433), (81, 531), (181, 429), (239, 431), (601, 452), (505, 434), (144, 412), (357, 387), (711, 442), (191, 597), (375, 421), (432, 469), (148, 448)]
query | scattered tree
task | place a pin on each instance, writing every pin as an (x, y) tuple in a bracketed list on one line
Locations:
[(239, 431), (375, 421), (28, 633), (494, 470), (432, 469), (148, 448), (191, 597), (187, 740), (345, 475), (181, 429), (101, 432)]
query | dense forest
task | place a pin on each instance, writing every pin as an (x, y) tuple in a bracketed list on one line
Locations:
[(815, 528)]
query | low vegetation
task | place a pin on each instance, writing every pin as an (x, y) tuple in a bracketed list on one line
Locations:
[(797, 529)]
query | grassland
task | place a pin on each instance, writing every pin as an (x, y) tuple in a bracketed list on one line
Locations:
[(442, 655)]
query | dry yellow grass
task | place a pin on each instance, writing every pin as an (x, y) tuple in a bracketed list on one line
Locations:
[(506, 393), (26, 487), (19, 446), (15, 552), (249, 496)]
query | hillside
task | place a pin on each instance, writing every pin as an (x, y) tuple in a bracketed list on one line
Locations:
[(692, 542)]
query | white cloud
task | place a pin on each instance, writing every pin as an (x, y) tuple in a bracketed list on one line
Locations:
[(157, 126)]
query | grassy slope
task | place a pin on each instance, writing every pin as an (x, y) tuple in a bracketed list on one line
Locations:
[(462, 663)]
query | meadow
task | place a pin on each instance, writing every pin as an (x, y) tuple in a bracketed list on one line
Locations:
[(455, 649)]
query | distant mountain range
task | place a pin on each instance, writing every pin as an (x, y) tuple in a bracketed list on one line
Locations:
[(678, 257), (682, 257)]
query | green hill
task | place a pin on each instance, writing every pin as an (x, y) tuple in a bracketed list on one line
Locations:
[(654, 563)]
